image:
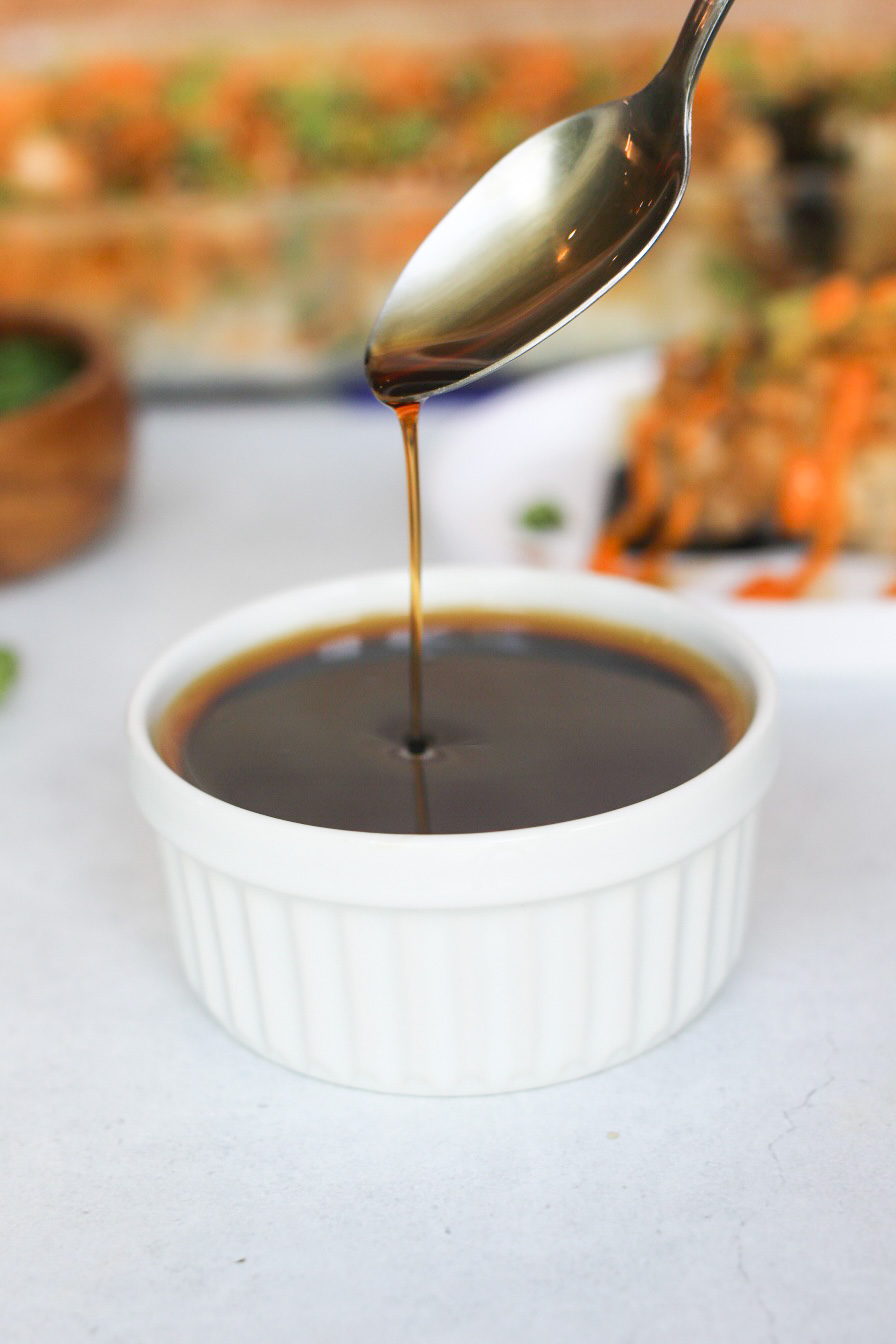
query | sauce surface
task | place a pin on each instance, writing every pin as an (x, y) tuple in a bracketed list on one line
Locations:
[(528, 721)]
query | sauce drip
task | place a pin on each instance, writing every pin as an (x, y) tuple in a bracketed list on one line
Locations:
[(416, 742), (408, 417)]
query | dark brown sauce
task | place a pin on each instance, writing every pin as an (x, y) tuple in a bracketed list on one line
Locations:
[(408, 417), (415, 740), (530, 720)]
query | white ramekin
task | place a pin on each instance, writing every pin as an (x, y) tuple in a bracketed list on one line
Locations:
[(459, 964)]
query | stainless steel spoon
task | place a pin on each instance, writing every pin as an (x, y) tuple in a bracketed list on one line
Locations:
[(543, 234)]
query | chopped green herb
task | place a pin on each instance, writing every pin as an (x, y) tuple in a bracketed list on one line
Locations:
[(404, 136), (328, 124), (204, 161), (31, 367), (734, 279), (9, 666), (469, 82), (189, 86), (545, 516)]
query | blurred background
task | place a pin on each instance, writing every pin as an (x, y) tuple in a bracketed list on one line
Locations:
[(228, 190)]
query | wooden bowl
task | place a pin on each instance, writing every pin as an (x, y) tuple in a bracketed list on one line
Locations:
[(63, 458)]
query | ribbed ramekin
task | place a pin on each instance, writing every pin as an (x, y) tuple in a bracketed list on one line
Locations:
[(459, 964)]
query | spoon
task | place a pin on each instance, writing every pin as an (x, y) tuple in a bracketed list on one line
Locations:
[(551, 227)]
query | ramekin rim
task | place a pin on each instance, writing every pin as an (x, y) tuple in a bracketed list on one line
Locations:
[(144, 753)]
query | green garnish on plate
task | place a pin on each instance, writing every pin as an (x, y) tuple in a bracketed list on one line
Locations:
[(543, 516)]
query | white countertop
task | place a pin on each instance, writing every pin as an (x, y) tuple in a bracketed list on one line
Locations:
[(738, 1184)]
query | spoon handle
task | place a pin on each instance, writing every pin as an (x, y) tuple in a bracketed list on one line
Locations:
[(697, 33)]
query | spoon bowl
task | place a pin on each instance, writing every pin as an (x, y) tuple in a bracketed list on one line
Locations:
[(552, 226)]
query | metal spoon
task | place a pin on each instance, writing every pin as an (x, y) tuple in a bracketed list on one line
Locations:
[(543, 234)]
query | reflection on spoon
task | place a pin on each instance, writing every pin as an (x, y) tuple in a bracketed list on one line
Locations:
[(551, 227)]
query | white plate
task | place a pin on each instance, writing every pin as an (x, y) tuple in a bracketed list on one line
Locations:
[(556, 438)]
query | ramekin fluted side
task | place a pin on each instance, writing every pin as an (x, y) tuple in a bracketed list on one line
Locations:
[(460, 964), (456, 1002)]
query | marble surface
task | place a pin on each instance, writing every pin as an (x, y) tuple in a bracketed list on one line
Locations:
[(737, 1184)]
